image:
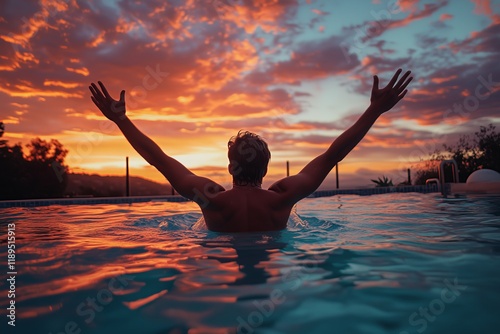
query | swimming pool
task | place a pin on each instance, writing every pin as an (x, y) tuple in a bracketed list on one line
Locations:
[(391, 263)]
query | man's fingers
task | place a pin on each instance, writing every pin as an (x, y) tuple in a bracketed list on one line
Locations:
[(92, 90), (402, 80), (403, 87), (402, 95), (104, 90), (394, 78), (95, 101), (96, 92), (375, 83), (98, 105), (122, 96)]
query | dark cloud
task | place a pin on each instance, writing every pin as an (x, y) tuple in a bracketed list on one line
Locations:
[(383, 21), (314, 60)]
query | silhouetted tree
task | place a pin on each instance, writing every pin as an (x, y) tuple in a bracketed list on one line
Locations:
[(426, 173), (39, 174), (13, 171), (471, 153), (489, 144), (383, 182)]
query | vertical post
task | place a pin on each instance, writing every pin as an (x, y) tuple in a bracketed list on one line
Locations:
[(409, 177), (127, 183), (337, 174), (287, 168)]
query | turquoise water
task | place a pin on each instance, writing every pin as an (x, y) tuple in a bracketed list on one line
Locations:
[(392, 263)]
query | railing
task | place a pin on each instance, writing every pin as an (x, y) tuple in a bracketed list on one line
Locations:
[(441, 180), (434, 181)]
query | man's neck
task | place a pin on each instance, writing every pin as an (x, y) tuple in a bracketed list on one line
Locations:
[(247, 185)]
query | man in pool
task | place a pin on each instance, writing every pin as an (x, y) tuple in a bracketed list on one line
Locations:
[(247, 207)]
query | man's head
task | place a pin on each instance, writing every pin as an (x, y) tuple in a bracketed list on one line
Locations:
[(248, 158)]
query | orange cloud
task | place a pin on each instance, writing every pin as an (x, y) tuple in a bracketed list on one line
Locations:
[(18, 105), (27, 91), (445, 17), (37, 22), (408, 5), (83, 71), (439, 80), (264, 14), (318, 12), (483, 7), (61, 84), (257, 67), (98, 40)]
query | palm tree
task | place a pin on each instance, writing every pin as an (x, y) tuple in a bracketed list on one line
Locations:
[(383, 182)]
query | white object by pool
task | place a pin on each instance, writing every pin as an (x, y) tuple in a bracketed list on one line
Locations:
[(483, 175), (482, 181)]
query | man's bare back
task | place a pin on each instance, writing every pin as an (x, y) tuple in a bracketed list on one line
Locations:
[(246, 207)]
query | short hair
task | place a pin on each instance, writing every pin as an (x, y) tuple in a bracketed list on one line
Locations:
[(249, 156)]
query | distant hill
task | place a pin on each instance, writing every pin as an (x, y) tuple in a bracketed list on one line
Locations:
[(104, 186)]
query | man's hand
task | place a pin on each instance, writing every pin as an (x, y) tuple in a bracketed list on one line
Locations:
[(112, 109), (384, 99)]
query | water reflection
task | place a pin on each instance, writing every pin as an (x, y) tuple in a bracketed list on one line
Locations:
[(252, 255), (352, 254)]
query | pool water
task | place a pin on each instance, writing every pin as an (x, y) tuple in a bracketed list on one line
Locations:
[(392, 263)]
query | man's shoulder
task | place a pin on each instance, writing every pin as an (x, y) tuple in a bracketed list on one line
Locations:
[(234, 195)]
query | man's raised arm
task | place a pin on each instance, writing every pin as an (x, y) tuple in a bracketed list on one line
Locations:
[(183, 180), (312, 175)]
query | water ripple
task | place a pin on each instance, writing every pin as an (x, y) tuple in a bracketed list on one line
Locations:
[(360, 264)]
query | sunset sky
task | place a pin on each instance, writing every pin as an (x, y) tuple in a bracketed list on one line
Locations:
[(296, 72)]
